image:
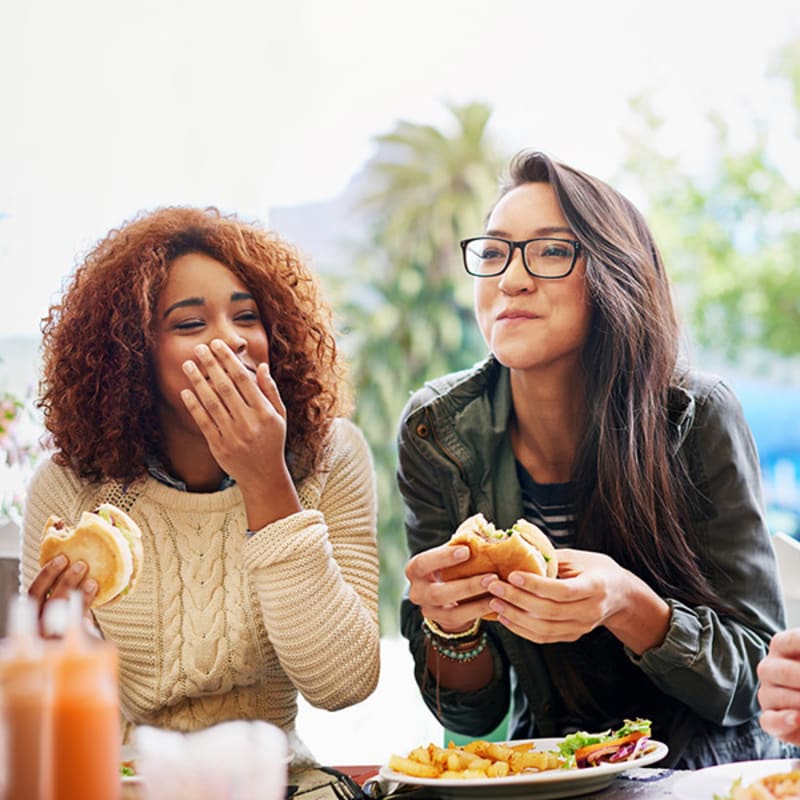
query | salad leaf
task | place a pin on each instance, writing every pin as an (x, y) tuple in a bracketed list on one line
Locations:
[(729, 796), (575, 741)]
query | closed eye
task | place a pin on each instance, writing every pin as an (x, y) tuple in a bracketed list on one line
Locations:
[(188, 325)]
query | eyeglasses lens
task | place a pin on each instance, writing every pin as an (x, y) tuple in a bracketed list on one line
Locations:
[(548, 258)]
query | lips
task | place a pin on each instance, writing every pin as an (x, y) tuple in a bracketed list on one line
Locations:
[(516, 314)]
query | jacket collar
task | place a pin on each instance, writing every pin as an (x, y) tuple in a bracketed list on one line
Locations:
[(471, 409)]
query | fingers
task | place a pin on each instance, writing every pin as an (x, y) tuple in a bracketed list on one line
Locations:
[(230, 375), (58, 578), (783, 724), (220, 381), (42, 584), (270, 389), (457, 617), (786, 644), (541, 609), (427, 563), (449, 594), (776, 671), (453, 604)]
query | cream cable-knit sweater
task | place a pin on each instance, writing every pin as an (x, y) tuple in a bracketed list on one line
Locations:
[(224, 627)]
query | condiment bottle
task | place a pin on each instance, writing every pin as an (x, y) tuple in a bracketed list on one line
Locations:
[(24, 703), (85, 724)]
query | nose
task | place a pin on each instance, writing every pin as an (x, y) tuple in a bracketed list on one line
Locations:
[(516, 279), (230, 335)]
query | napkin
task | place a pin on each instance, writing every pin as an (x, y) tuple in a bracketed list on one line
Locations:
[(237, 760)]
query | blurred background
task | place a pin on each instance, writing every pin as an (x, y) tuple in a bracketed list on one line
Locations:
[(372, 136)]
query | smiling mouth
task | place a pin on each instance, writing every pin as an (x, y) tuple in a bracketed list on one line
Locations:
[(516, 315)]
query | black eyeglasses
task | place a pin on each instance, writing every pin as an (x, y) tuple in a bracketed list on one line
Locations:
[(489, 256)]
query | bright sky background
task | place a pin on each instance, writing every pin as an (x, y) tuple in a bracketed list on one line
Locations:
[(108, 107)]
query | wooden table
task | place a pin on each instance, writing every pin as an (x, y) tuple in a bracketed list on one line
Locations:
[(638, 784)]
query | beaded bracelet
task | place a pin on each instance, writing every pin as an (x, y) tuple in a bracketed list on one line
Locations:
[(430, 627), (460, 655)]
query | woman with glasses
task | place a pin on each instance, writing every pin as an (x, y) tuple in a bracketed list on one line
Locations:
[(643, 473), (191, 377)]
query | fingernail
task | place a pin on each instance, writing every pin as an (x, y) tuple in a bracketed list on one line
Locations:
[(460, 553), (497, 589), (217, 344), (497, 606), (60, 561), (188, 366), (78, 568), (90, 586), (516, 579), (487, 579)]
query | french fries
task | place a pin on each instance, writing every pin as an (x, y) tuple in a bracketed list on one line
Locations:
[(476, 760)]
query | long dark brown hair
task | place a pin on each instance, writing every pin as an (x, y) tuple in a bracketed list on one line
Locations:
[(634, 497), (99, 395)]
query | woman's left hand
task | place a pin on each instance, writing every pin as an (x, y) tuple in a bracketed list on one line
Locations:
[(591, 590)]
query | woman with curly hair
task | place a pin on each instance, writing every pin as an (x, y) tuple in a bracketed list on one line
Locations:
[(191, 377), (642, 472)]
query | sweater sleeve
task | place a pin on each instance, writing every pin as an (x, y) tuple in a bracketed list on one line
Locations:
[(709, 660), (51, 490), (316, 576)]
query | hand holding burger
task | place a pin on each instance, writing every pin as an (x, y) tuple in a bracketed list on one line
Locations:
[(523, 547), (107, 540)]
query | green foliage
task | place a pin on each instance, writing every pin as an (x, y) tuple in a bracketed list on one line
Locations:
[(730, 234), (412, 318)]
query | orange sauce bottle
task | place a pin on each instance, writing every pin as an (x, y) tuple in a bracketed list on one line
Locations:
[(85, 723), (24, 703)]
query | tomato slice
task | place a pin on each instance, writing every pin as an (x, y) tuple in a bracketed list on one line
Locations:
[(582, 752)]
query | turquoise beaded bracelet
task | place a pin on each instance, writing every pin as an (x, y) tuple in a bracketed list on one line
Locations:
[(460, 655)]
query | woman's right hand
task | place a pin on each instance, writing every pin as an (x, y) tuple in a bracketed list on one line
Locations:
[(57, 578), (454, 605)]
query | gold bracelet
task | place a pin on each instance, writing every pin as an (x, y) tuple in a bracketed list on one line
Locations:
[(429, 626)]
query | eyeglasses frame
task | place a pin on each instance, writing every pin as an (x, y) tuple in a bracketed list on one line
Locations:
[(521, 245)]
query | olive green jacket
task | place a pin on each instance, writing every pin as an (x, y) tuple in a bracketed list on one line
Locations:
[(699, 686)]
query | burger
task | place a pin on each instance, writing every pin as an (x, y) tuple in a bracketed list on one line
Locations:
[(107, 540), (522, 547)]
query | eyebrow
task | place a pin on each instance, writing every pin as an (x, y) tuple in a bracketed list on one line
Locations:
[(236, 297), (546, 231)]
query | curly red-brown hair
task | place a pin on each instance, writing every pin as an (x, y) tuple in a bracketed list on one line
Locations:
[(98, 393)]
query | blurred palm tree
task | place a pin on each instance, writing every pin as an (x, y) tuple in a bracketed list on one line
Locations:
[(407, 305)]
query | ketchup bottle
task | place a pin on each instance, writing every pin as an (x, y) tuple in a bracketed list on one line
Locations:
[(85, 740), (24, 735)]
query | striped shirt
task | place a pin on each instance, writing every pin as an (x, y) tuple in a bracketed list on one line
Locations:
[(548, 506)]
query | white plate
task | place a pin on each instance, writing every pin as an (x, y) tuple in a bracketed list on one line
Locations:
[(703, 784), (542, 785)]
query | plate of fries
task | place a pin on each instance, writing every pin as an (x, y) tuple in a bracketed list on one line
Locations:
[(742, 779), (519, 768)]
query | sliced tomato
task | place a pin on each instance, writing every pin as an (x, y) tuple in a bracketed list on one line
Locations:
[(582, 753)]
